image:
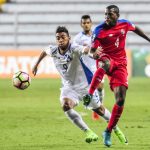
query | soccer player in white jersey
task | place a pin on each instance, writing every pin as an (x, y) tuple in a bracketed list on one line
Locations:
[(75, 81), (84, 38)]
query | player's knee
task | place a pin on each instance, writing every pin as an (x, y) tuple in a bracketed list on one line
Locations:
[(100, 87), (120, 101), (106, 65), (67, 104)]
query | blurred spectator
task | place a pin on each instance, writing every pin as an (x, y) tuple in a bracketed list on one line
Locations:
[(2, 2)]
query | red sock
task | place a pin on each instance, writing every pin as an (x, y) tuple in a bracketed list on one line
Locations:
[(116, 113), (97, 78)]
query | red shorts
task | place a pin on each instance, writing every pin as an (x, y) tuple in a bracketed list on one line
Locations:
[(117, 74)]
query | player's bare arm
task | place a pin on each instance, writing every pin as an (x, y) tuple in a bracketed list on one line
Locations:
[(35, 67), (95, 53), (86, 50), (139, 32)]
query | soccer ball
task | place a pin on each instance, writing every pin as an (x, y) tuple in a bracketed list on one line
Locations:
[(21, 80)]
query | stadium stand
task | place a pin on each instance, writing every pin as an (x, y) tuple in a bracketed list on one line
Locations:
[(2, 2), (31, 23)]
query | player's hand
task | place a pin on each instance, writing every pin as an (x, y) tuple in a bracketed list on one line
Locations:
[(34, 70), (87, 99), (97, 53)]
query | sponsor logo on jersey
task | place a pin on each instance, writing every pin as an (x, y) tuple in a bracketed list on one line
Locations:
[(122, 31), (110, 35)]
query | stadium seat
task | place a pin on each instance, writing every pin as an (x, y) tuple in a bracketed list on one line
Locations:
[(38, 19)]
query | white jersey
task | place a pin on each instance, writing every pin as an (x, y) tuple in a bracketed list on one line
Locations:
[(82, 39), (85, 40), (73, 72)]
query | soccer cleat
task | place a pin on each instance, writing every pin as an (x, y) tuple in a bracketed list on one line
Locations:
[(90, 136), (95, 116), (107, 138), (120, 136)]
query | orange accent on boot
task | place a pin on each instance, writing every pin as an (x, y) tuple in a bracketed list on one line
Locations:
[(95, 116)]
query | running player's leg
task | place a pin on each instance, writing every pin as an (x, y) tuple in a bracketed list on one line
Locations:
[(119, 86), (100, 90), (69, 100), (116, 114), (105, 114), (108, 65), (103, 67), (97, 107)]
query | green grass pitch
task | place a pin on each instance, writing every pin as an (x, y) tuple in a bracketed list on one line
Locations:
[(33, 119)]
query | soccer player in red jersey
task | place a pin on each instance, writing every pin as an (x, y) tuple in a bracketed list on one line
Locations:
[(108, 47)]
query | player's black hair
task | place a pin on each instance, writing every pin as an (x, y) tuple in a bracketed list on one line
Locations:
[(62, 29), (116, 8), (86, 17)]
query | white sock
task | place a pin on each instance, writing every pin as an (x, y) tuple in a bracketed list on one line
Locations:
[(106, 115), (101, 95), (76, 119)]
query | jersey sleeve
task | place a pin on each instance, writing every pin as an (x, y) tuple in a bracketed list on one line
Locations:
[(131, 26), (95, 37), (49, 50), (79, 49)]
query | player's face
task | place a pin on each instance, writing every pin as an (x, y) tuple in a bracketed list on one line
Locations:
[(86, 24), (62, 40), (111, 17)]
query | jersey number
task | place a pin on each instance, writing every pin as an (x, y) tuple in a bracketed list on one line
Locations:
[(65, 67), (117, 42)]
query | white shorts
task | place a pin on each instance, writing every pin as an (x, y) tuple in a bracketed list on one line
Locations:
[(77, 95)]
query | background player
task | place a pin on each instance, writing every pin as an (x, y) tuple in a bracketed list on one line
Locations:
[(84, 38), (110, 37), (67, 60)]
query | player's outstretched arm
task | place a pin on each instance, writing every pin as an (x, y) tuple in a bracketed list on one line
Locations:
[(91, 54), (35, 67), (139, 32), (96, 53)]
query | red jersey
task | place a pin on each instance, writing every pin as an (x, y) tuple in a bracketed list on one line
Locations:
[(112, 40)]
